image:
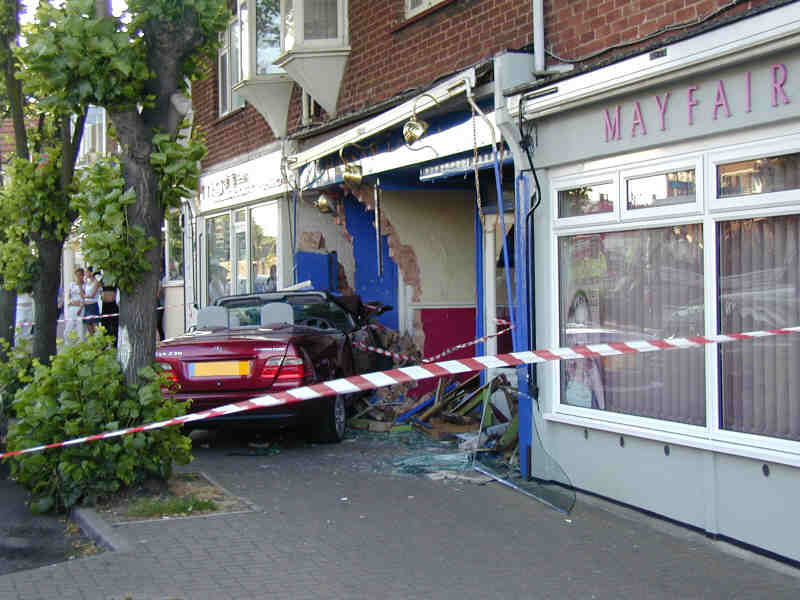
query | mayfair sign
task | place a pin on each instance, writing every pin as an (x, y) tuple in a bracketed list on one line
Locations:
[(712, 101), (253, 180)]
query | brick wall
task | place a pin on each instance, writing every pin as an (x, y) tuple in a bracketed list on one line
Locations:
[(579, 28), (237, 133), (390, 55)]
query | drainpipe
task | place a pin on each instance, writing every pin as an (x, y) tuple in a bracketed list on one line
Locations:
[(538, 37)]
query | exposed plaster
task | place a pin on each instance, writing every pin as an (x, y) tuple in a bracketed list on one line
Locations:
[(402, 254)]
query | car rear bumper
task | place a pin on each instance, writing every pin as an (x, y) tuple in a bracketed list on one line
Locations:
[(287, 413)]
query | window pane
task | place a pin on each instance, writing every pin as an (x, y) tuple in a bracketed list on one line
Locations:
[(175, 246), (321, 20), (627, 286), (586, 200), (759, 288), (240, 232), (218, 252), (677, 187), (268, 42), (223, 83), (264, 247), (288, 26), (234, 63), (759, 176)]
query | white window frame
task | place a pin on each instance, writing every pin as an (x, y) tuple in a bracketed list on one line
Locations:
[(785, 145), (599, 178), (249, 208), (229, 100), (709, 211), (686, 208), (418, 7), (300, 43)]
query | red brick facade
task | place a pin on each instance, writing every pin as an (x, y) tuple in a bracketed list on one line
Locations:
[(390, 55), (580, 28)]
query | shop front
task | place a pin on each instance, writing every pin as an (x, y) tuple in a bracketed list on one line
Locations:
[(671, 208), (241, 241)]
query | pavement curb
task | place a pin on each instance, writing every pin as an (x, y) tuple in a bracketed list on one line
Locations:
[(99, 530)]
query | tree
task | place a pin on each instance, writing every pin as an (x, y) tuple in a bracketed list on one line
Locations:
[(137, 67), (35, 213)]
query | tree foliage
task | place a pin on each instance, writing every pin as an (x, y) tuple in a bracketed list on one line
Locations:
[(108, 238), (83, 392)]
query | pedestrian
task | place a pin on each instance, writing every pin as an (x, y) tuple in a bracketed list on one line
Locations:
[(110, 311), (74, 324), (91, 299)]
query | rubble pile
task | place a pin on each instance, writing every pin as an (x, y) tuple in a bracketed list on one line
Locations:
[(461, 410)]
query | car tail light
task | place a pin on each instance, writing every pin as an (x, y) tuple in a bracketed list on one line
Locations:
[(290, 368), (168, 370)]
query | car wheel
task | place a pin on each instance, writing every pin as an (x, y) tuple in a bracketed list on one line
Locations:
[(330, 420)]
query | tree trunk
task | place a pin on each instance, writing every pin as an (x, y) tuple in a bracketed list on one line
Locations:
[(8, 314), (136, 344), (45, 296)]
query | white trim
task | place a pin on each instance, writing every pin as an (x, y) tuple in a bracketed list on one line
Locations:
[(759, 149), (720, 446), (448, 89), (769, 140), (755, 36), (687, 208)]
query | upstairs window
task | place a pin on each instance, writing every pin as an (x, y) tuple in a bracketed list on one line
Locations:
[(415, 7), (229, 67), (313, 24)]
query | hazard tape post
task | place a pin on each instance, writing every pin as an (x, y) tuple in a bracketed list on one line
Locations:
[(379, 379)]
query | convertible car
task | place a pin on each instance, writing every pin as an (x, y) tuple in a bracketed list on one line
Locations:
[(249, 345)]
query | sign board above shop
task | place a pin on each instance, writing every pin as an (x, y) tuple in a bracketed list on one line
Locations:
[(743, 96), (246, 182)]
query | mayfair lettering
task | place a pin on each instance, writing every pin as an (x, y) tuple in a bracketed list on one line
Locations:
[(699, 104)]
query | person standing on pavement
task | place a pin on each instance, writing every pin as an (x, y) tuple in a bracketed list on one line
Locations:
[(74, 324), (91, 299), (110, 311), (160, 309)]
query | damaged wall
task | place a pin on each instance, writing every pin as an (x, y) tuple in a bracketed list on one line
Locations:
[(320, 232), (435, 230)]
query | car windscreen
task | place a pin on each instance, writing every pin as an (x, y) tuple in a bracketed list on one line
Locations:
[(308, 310)]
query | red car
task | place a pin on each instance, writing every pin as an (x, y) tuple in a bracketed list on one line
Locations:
[(248, 346)]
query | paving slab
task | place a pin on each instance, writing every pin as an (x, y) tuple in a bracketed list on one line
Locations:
[(334, 522)]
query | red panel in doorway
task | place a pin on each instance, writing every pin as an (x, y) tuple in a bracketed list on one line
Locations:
[(445, 328)]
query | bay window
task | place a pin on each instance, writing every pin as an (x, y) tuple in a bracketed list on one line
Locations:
[(646, 251), (229, 68), (314, 47), (415, 7)]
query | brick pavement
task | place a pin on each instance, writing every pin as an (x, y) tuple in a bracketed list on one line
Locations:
[(333, 525)]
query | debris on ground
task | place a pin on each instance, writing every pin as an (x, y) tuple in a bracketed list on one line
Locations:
[(453, 409)]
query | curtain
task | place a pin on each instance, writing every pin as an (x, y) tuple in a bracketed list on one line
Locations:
[(759, 283), (634, 285), (321, 20)]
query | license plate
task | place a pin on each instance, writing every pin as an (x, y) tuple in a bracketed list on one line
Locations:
[(220, 368)]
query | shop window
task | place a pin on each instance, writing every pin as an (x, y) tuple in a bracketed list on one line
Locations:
[(218, 257), (759, 176), (415, 7), (264, 247), (664, 189), (759, 289), (229, 68), (586, 200), (173, 247), (626, 286)]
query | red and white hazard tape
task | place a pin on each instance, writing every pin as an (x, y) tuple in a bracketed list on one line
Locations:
[(379, 379), (406, 357)]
